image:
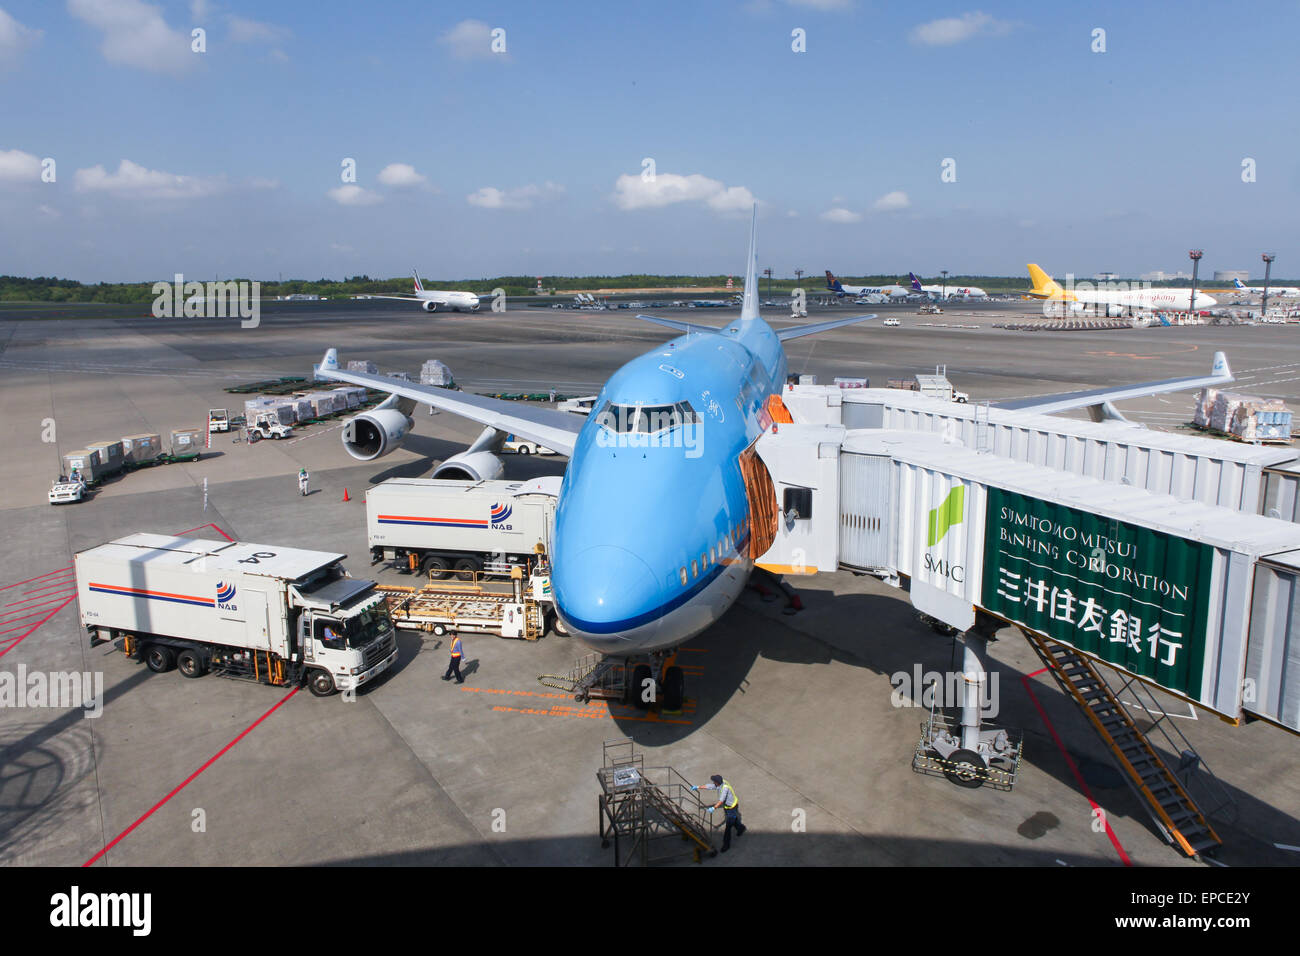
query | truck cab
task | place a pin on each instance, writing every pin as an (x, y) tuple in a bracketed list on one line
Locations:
[(218, 420), (345, 636)]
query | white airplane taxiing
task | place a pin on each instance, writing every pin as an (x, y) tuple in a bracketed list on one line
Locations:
[(431, 300)]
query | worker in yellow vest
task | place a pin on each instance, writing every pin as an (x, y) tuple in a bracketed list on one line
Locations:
[(457, 651), (730, 804)]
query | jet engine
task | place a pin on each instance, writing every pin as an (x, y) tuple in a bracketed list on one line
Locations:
[(376, 433), (471, 466), (430, 306)]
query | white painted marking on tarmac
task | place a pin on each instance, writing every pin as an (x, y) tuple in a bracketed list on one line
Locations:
[(294, 441), (1287, 846), (1190, 715)]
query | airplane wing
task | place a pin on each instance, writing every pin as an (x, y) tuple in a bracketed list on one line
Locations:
[(679, 325), (1099, 400), (800, 330), (555, 430)]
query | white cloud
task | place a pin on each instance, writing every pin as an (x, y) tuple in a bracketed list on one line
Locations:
[(14, 39), (469, 40), (243, 30), (19, 167), (136, 182), (892, 202), (401, 174), (664, 189), (135, 34), (489, 197), (840, 215), (48, 212), (951, 30), (353, 195), (199, 9)]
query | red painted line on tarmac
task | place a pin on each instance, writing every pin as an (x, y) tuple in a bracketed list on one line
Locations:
[(15, 641), (217, 756), (1073, 769), (67, 582), (37, 601), (201, 527), (37, 578), (22, 617)]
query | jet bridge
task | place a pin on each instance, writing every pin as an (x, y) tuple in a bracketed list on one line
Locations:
[(1151, 554)]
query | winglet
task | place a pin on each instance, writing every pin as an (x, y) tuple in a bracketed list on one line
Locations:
[(1220, 367), (749, 303)]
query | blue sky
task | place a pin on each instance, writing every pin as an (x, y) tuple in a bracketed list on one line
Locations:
[(473, 163)]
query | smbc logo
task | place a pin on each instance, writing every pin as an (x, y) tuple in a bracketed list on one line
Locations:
[(948, 513)]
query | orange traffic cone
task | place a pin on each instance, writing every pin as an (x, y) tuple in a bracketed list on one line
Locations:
[(345, 495)]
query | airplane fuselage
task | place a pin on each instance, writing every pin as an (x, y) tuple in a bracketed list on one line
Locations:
[(652, 528)]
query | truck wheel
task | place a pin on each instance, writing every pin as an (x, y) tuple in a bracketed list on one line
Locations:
[(159, 658), (320, 683), (523, 450), (439, 630), (191, 663), (558, 626), (434, 567), (466, 568)]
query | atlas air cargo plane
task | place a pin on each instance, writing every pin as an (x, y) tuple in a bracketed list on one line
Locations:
[(840, 289), (657, 526), (431, 300)]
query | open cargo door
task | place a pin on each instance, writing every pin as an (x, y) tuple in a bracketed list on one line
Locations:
[(764, 516)]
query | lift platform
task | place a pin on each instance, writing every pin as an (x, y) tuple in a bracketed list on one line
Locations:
[(650, 814), (472, 608)]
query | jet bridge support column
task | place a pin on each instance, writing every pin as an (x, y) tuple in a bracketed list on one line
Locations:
[(974, 680)]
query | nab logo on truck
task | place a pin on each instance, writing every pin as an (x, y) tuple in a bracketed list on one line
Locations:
[(500, 515), (226, 594)]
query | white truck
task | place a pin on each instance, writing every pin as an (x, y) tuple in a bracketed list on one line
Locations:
[(277, 615), (218, 420), (264, 426), (440, 526)]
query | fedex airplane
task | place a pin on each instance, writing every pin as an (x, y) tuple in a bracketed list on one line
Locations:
[(656, 527), (840, 289), (431, 299), (952, 292)]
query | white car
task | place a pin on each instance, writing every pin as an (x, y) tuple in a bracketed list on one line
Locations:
[(65, 492), (523, 447), (890, 323)]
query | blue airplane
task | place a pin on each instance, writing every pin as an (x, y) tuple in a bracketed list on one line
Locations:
[(653, 532)]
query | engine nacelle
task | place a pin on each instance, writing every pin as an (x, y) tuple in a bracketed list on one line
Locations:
[(376, 433), (471, 466), (430, 306)]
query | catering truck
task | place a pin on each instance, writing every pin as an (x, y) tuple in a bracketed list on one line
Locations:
[(260, 612), (440, 526)]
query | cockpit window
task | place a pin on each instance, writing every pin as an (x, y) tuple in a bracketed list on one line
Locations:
[(645, 419)]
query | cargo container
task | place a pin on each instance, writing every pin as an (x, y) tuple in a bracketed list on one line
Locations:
[(1154, 586), (434, 372), (260, 612), (352, 395), (360, 365), (141, 449), (1281, 498), (186, 442), (110, 456), (83, 461), (441, 526), (324, 403)]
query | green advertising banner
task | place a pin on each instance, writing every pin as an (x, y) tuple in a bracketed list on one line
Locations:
[(1134, 597)]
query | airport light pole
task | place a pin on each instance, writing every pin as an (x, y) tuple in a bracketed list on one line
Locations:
[(1268, 270), (798, 276), (944, 293), (768, 273), (1195, 255)]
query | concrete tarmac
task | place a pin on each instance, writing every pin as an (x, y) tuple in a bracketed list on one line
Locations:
[(799, 711)]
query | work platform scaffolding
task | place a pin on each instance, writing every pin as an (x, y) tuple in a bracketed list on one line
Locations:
[(650, 814), (1163, 559)]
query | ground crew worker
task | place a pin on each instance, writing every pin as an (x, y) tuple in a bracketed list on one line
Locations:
[(302, 481), (730, 804), (457, 649)]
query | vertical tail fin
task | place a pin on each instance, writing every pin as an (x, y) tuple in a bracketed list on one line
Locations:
[(916, 283), (1238, 284), (832, 283), (749, 303), (418, 286), (1044, 285)]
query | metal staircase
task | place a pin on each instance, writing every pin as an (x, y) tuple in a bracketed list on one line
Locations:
[(642, 807), (1160, 789)]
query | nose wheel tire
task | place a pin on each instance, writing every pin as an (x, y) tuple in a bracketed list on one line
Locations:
[(966, 769), (638, 690), (674, 689)]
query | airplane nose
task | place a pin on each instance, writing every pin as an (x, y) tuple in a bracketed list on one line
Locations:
[(602, 593)]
